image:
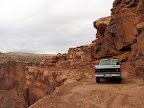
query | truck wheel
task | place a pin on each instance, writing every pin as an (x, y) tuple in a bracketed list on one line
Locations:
[(97, 79), (119, 80)]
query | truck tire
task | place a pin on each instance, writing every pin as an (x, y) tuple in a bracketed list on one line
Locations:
[(97, 79), (119, 80)]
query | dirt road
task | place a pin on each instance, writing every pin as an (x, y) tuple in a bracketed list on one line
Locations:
[(88, 94)]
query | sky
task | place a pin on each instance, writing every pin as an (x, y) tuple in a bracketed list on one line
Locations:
[(49, 26)]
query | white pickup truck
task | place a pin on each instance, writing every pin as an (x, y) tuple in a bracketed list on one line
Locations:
[(108, 68)]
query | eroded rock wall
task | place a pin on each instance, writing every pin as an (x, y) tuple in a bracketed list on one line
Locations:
[(81, 53), (118, 32), (40, 82), (119, 35), (12, 75), (12, 99), (52, 73), (123, 35), (137, 49), (12, 82)]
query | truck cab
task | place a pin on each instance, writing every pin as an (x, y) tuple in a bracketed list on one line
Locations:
[(108, 68)]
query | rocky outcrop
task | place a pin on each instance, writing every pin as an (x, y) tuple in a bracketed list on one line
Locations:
[(118, 36), (52, 61), (101, 24), (122, 34), (81, 53), (104, 45), (12, 83), (137, 53), (40, 82), (12, 75), (43, 80)]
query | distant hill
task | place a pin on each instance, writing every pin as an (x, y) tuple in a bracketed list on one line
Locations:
[(23, 57)]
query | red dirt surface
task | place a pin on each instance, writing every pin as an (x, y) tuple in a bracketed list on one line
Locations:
[(89, 94)]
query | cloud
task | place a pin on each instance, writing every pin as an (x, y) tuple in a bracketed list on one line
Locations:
[(49, 26)]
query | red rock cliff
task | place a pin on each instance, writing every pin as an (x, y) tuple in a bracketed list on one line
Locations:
[(120, 35)]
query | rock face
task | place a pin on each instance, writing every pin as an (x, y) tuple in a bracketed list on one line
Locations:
[(14, 79), (12, 75), (81, 53), (51, 61), (123, 33), (119, 35), (12, 83), (43, 80), (12, 99), (101, 24), (39, 83)]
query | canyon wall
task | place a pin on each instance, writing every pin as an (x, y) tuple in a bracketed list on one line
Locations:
[(12, 99), (12, 82), (14, 92), (12, 75), (31, 83), (52, 73)]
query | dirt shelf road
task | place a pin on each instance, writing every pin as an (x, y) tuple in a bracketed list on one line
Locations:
[(88, 94)]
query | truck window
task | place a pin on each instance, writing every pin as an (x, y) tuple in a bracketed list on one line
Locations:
[(108, 62)]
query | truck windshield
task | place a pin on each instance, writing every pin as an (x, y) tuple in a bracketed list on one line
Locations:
[(108, 62)]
